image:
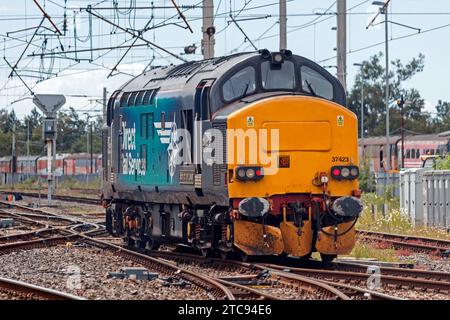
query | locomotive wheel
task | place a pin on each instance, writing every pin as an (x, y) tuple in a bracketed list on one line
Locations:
[(109, 221), (223, 254), (244, 257), (306, 258), (130, 242), (151, 244), (139, 244), (327, 257), (204, 252)]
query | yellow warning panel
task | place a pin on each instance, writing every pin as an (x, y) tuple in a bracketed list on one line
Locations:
[(344, 243), (295, 244), (249, 237)]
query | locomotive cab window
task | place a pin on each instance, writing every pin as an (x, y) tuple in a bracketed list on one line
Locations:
[(240, 84), (315, 84), (282, 77)]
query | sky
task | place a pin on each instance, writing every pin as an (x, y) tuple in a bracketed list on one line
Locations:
[(310, 34)]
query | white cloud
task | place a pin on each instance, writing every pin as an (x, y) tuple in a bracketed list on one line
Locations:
[(89, 83)]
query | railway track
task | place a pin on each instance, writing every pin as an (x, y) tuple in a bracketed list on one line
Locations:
[(437, 276), (326, 289), (220, 288), (413, 243), (243, 282), (69, 233), (19, 290), (77, 199), (399, 282)]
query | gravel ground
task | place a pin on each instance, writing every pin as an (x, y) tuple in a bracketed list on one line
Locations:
[(428, 262), (49, 267), (414, 294), (81, 210), (276, 289), (14, 230), (289, 293)]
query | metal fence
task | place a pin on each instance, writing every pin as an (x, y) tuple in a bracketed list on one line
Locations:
[(436, 204), (387, 183), (425, 196)]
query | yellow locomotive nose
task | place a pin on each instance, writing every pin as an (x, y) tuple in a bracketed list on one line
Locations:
[(289, 149), (313, 135)]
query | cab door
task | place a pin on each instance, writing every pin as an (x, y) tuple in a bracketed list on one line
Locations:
[(202, 116)]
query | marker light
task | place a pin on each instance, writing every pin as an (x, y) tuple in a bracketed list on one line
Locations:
[(249, 173), (344, 172), (241, 173)]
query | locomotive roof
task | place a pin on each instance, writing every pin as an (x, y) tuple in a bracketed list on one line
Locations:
[(183, 73)]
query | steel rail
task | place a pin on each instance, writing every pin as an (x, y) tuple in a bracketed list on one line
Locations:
[(400, 272), (324, 290), (422, 244), (208, 284), (28, 291), (67, 198), (246, 291), (361, 277)]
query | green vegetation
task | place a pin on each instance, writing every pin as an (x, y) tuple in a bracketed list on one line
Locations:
[(363, 250), (442, 164), (394, 220), (71, 136), (66, 186), (71, 183), (367, 181), (372, 77)]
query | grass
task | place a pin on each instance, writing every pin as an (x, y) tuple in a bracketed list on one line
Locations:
[(67, 186), (71, 183), (394, 221), (364, 250)]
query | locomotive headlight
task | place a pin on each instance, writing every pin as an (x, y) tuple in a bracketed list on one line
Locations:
[(345, 172), (354, 172), (278, 58), (241, 173), (250, 173)]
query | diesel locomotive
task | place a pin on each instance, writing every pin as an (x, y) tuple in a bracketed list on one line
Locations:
[(254, 153)]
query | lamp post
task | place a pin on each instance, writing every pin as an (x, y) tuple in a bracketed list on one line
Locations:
[(89, 169), (362, 105), (384, 10)]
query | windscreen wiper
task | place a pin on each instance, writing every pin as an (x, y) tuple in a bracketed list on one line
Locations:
[(311, 90), (246, 89)]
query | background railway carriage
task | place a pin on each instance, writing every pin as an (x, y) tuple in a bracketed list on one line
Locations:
[(41, 164), (5, 164), (26, 164), (5, 168), (309, 204), (80, 163), (415, 147)]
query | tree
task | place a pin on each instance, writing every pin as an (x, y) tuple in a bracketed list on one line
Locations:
[(372, 77), (442, 164), (72, 133), (442, 120)]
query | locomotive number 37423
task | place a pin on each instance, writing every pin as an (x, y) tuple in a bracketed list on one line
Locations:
[(340, 159)]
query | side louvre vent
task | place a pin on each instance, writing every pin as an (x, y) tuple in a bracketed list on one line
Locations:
[(219, 170)]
